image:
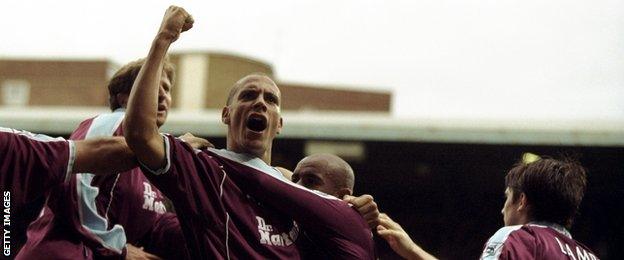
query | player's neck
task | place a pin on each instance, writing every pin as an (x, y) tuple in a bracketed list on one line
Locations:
[(264, 155), (524, 219)]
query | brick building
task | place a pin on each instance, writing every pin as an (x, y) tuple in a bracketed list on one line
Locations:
[(203, 81), (53, 82)]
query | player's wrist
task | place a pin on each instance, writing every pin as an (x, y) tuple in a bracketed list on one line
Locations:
[(164, 38), (415, 252)]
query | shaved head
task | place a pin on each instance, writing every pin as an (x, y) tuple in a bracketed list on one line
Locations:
[(242, 82), (327, 173), (338, 170)]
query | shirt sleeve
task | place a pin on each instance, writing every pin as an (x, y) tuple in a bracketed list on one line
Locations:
[(330, 222), (511, 242), (32, 164), (167, 167)]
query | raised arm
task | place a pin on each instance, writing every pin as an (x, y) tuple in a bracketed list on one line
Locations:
[(140, 129)]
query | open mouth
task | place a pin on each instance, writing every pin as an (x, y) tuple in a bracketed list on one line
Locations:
[(256, 123), (162, 108)]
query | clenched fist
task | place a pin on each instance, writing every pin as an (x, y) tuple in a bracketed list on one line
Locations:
[(175, 21)]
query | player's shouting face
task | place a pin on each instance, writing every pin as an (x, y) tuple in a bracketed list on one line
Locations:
[(253, 115)]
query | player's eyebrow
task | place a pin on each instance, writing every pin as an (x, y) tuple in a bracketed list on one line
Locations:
[(246, 91), (273, 96)]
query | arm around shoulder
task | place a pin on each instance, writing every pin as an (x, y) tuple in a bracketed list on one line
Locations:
[(103, 156)]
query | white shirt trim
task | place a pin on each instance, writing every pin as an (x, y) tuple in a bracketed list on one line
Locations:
[(70, 161), (494, 246), (260, 165), (167, 166)]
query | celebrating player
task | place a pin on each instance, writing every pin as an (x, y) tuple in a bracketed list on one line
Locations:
[(231, 203), (331, 175), (542, 198), (32, 164), (105, 213)]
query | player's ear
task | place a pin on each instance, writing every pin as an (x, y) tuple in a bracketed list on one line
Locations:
[(225, 115), (522, 202), (279, 125)]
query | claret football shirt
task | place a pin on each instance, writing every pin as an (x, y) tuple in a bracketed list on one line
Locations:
[(235, 206), (30, 166), (535, 241)]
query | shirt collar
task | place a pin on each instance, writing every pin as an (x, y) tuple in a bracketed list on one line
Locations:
[(557, 227)]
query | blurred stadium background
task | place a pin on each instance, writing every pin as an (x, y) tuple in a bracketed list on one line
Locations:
[(442, 179)]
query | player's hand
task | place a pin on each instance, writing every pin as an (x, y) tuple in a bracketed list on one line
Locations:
[(175, 21), (367, 207), (136, 253), (399, 240), (196, 142)]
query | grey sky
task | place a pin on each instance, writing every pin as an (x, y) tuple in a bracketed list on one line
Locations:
[(471, 59)]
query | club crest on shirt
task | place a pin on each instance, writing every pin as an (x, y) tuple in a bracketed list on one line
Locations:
[(491, 249), (268, 236), (149, 200)]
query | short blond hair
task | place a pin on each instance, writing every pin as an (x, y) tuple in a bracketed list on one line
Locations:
[(122, 81)]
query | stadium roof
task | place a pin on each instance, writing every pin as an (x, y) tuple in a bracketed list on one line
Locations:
[(353, 126)]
